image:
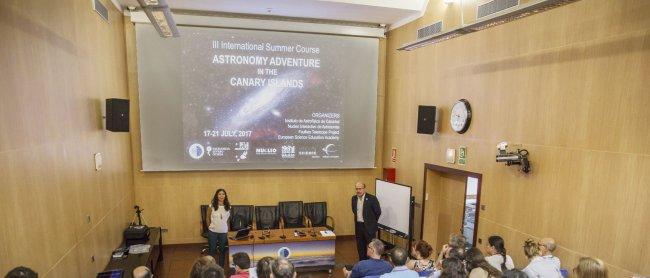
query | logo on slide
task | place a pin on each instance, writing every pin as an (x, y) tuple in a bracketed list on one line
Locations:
[(196, 151), (284, 252), (329, 149)]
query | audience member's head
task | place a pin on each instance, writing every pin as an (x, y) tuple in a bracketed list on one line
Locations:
[(142, 272), (547, 246), (206, 267), (456, 253), (497, 246), (264, 267), (457, 241), (453, 268), (242, 261), (283, 268), (421, 250), (514, 273), (590, 268), (21, 272), (531, 248), (475, 259), (375, 249), (398, 256)]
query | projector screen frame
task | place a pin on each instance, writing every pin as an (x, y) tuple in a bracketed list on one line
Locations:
[(370, 158), (393, 231)]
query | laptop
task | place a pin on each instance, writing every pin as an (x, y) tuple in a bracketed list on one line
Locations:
[(116, 273), (242, 234)]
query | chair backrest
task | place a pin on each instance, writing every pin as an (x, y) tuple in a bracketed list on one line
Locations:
[(267, 217), (317, 213), (204, 220), (292, 214), (240, 217)]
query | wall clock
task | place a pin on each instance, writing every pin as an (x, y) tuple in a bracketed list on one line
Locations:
[(461, 116)]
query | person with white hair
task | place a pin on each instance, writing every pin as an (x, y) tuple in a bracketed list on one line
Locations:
[(546, 248)]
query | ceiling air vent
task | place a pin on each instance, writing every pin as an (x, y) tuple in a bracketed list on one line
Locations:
[(490, 19), (100, 9), (495, 6), (430, 30)]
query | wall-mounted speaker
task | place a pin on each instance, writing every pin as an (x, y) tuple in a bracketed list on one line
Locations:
[(117, 115), (428, 119)]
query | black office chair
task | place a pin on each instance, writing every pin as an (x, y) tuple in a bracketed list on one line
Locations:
[(292, 214), (267, 217), (204, 225), (317, 215), (241, 217)]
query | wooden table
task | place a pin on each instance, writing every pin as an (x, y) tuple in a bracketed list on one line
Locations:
[(313, 251), (149, 259)]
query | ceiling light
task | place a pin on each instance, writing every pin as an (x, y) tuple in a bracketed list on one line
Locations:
[(448, 1), (160, 16)]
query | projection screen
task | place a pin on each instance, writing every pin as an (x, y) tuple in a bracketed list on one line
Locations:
[(230, 99)]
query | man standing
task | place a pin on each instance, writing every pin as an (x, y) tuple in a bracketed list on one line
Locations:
[(366, 211)]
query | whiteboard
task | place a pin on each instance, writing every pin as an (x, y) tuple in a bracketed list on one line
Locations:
[(395, 202)]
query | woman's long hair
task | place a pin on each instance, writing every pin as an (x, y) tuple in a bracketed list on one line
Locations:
[(215, 200), (499, 246), (453, 268), (475, 259)]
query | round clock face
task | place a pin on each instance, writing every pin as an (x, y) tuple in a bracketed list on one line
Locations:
[(461, 115)]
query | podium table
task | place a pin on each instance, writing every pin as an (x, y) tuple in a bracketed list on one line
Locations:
[(313, 251), (149, 259)]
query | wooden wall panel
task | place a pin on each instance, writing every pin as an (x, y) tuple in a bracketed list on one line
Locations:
[(569, 85), (172, 199), (58, 62)]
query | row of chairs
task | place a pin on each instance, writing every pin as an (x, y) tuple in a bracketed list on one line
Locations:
[(292, 214)]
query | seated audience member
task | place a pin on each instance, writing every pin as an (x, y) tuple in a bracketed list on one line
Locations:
[(455, 242), (546, 248), (421, 251), (497, 256), (453, 268), (538, 266), (478, 267), (242, 264), (514, 273), (21, 272), (142, 272), (373, 266), (399, 256), (206, 267), (263, 269), (283, 268), (453, 253), (590, 268)]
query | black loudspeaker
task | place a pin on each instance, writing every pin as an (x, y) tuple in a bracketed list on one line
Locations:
[(117, 115), (427, 119)]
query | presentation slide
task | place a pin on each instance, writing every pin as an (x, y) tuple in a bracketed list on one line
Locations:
[(244, 99)]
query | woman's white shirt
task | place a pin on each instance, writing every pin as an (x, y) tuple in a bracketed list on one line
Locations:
[(497, 260), (219, 220)]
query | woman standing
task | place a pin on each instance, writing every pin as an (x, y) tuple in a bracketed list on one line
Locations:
[(218, 226)]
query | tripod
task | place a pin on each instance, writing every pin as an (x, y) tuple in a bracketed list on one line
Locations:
[(138, 214)]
